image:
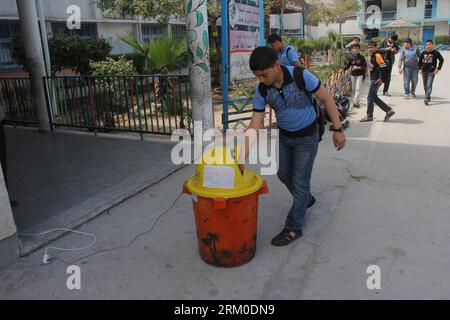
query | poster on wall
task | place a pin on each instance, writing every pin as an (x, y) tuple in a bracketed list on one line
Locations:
[(244, 37)]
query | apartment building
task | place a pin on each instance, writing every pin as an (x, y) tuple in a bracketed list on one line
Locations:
[(95, 24), (431, 16)]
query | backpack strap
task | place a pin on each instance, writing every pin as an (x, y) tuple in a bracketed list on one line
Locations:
[(287, 53), (262, 88), (300, 81)]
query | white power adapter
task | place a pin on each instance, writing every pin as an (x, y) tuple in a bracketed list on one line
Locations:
[(46, 258)]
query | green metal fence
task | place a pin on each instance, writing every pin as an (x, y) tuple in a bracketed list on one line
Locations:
[(16, 101), (145, 103)]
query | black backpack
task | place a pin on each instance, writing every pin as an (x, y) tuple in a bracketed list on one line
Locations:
[(300, 82)]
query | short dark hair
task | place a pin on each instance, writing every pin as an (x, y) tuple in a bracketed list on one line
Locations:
[(356, 45), (274, 37), (408, 40), (430, 41), (356, 38), (372, 44), (262, 58), (394, 37)]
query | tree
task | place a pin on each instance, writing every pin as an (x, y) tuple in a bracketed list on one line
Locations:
[(336, 11), (68, 53), (162, 10), (196, 17)]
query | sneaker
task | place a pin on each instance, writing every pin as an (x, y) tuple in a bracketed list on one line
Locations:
[(387, 94), (356, 105), (366, 119), (407, 96), (286, 236), (426, 101), (389, 115), (413, 96), (311, 202)]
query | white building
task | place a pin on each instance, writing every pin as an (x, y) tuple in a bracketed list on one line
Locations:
[(431, 16), (94, 24)]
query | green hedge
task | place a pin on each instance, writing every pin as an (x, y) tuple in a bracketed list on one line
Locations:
[(137, 58), (444, 39)]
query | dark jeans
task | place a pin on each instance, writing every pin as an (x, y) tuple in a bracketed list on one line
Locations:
[(3, 152), (296, 157), (372, 99), (410, 79), (388, 80), (428, 78)]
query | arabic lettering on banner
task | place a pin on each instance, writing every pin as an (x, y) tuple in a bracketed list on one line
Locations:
[(244, 15), (243, 40), (239, 66)]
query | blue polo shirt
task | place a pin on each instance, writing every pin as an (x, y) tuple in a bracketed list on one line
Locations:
[(293, 108), (288, 56)]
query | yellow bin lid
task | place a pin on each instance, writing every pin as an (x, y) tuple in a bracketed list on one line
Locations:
[(218, 176)]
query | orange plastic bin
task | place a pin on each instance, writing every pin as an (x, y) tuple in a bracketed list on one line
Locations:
[(226, 209)]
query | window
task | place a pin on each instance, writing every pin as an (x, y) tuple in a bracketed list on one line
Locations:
[(87, 31), (8, 31), (411, 3), (152, 31)]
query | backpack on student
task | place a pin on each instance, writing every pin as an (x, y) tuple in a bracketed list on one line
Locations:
[(300, 82)]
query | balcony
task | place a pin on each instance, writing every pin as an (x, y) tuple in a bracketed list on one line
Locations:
[(386, 17)]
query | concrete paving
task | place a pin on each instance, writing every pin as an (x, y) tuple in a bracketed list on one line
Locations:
[(64, 179), (383, 201)]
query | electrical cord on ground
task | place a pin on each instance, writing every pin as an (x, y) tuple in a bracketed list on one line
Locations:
[(132, 242), (46, 258)]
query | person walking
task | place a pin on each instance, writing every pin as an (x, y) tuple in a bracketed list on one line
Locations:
[(288, 90), (389, 48), (378, 75), (429, 68), (358, 65), (408, 65), (287, 54)]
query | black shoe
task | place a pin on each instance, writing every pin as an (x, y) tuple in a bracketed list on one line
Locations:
[(286, 236), (311, 202), (387, 94), (389, 115), (356, 105), (426, 101)]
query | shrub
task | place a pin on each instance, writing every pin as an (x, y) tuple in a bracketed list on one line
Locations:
[(443, 39), (137, 58), (68, 53), (112, 67)]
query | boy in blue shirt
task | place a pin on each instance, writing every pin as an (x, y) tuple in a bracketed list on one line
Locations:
[(298, 126), (286, 53)]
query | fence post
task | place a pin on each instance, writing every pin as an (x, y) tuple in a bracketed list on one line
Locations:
[(138, 103)]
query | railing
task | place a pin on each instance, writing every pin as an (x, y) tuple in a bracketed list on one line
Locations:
[(386, 16), (16, 101), (156, 104)]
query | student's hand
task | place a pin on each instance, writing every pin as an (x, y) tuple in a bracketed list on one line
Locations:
[(379, 82), (436, 71), (400, 70), (241, 168), (421, 71), (339, 140)]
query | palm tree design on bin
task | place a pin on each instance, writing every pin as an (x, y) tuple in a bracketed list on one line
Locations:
[(211, 242)]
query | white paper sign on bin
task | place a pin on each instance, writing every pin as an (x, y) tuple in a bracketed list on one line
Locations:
[(218, 177)]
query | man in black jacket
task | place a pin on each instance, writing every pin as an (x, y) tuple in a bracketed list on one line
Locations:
[(378, 75), (389, 48), (429, 68), (358, 65)]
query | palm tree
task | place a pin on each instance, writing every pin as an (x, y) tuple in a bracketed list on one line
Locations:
[(165, 54)]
